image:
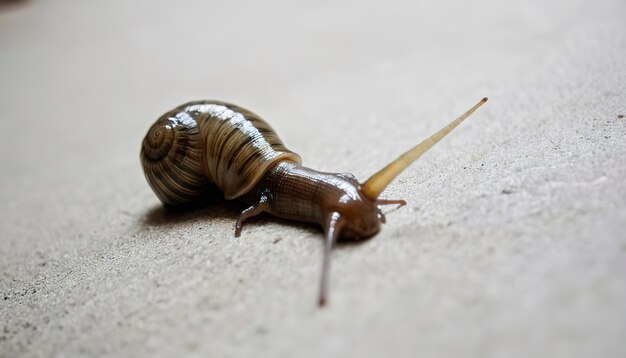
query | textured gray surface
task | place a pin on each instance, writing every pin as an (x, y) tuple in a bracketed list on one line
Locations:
[(512, 244)]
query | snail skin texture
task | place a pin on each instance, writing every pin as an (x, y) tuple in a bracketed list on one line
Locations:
[(205, 144)]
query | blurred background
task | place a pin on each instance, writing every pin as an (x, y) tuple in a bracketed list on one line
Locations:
[(512, 243)]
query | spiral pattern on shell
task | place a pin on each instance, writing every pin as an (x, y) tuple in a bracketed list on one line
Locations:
[(171, 156), (206, 142)]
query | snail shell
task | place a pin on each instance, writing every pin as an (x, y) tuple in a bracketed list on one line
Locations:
[(209, 142)]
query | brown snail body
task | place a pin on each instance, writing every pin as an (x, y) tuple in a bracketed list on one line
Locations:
[(206, 143)]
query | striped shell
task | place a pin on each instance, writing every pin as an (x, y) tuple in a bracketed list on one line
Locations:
[(204, 142)]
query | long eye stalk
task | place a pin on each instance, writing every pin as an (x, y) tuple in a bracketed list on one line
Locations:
[(379, 181), (332, 233)]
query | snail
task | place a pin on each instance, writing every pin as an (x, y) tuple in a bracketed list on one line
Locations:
[(204, 144)]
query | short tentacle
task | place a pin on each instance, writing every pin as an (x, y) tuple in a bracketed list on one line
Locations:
[(398, 202), (254, 210), (381, 215)]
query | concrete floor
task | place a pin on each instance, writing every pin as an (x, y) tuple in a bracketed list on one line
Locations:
[(512, 244)]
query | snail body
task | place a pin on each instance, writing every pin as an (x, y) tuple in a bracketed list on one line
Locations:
[(210, 143)]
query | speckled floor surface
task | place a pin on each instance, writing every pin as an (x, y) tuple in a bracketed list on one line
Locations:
[(513, 243)]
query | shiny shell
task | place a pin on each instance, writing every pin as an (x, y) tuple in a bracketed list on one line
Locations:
[(205, 142)]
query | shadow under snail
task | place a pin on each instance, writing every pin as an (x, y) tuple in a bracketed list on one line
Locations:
[(210, 143)]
